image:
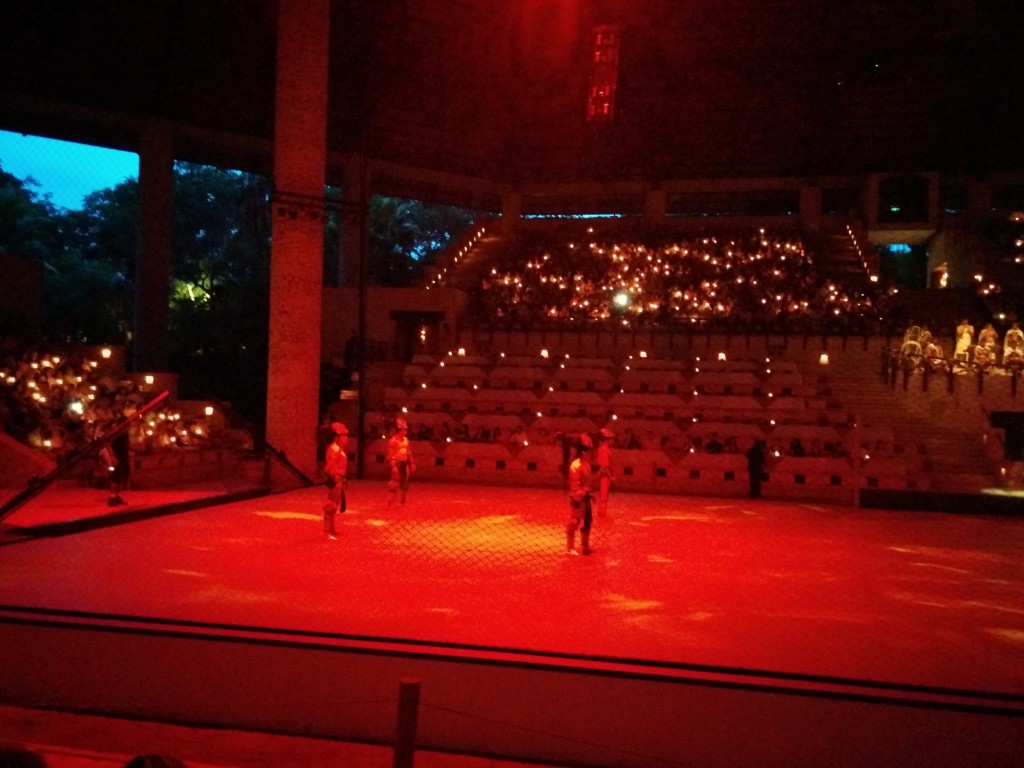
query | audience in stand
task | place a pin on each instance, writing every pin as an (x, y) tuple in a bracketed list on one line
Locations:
[(964, 340), (988, 338), (1013, 345), (987, 354), (755, 281), (714, 444), (933, 354), (983, 355), (58, 402)]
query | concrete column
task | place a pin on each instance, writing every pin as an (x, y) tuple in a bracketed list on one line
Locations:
[(355, 201), (150, 340), (811, 207), (296, 264), (869, 200), (511, 211), (655, 206), (979, 201)]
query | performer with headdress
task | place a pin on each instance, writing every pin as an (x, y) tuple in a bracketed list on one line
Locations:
[(580, 510), (336, 469), (399, 456)]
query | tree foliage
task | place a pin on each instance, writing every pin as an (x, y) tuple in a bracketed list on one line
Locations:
[(220, 267), (405, 237), (27, 225)]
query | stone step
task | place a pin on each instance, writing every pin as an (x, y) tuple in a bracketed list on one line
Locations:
[(962, 482), (949, 459)]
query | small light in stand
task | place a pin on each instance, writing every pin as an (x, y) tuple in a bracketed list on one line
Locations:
[(209, 410), (149, 379), (721, 356), (823, 360), (105, 353)]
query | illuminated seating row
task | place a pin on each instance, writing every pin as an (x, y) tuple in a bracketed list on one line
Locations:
[(646, 469), (594, 404), (672, 436), (605, 380)]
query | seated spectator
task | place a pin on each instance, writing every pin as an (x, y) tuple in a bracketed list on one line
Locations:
[(714, 444), (1013, 357), (983, 355), (1013, 343), (796, 447), (912, 334), (518, 437), (988, 337), (834, 449), (933, 354)]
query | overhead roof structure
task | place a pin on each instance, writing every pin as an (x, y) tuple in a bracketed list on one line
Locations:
[(498, 89)]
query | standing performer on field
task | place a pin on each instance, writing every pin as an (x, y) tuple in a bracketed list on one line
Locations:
[(603, 465), (336, 468), (580, 511), (399, 455)]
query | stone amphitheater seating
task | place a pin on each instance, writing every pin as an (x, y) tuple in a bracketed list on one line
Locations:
[(670, 405)]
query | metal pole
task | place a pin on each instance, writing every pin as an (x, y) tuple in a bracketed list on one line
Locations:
[(405, 728), (856, 461), (364, 261)]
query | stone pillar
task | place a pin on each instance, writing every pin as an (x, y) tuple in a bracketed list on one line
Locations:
[(811, 207), (979, 201), (296, 263), (153, 264), (355, 202), (869, 200), (655, 206), (511, 211)]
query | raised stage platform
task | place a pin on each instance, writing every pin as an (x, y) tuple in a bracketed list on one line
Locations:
[(894, 613)]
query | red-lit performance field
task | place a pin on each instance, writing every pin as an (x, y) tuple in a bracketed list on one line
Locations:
[(830, 598)]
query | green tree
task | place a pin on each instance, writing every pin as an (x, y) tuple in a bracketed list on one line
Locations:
[(90, 276), (405, 237), (219, 311), (220, 267), (27, 226)]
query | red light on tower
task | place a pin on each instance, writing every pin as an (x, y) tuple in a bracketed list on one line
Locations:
[(604, 75)]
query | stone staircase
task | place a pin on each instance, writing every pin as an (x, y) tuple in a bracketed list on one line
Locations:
[(477, 262), (838, 256), (940, 457)]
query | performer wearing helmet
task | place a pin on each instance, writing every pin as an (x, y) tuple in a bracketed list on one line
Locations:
[(399, 455), (335, 467), (603, 467), (580, 512)]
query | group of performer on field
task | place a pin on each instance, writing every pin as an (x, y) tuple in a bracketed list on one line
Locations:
[(587, 480)]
